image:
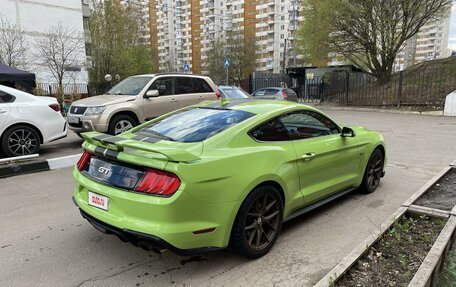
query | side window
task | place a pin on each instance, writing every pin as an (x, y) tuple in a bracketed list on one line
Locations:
[(259, 93), (272, 130), (6, 98), (308, 124), (163, 85), (184, 85), (201, 86), (270, 92)]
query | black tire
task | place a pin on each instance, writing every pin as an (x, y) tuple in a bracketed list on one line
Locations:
[(373, 172), (263, 202), (20, 140), (118, 120)]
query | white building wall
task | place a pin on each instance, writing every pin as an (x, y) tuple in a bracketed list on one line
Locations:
[(36, 17)]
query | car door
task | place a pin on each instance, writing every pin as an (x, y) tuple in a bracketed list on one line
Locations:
[(185, 92), (165, 102), (5, 100), (273, 133), (327, 162), (203, 90)]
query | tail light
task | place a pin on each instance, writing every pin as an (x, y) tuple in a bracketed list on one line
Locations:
[(158, 182), (218, 95), (55, 107), (83, 160), (284, 95)]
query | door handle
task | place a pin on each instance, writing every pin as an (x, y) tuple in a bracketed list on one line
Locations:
[(309, 155), (201, 98), (174, 100), (2, 112)]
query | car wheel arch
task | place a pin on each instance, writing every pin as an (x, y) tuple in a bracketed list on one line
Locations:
[(40, 134), (265, 182), (125, 112)]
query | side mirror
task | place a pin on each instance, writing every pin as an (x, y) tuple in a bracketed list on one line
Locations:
[(347, 132), (151, 94)]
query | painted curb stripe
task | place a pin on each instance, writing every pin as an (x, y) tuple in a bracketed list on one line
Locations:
[(23, 167)]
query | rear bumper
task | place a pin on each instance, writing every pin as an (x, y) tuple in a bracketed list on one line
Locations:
[(146, 241), (164, 222)]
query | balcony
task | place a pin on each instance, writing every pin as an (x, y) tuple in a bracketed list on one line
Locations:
[(271, 3), (269, 67), (270, 31), (271, 12)]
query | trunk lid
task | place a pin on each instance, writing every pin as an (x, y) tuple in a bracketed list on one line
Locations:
[(140, 150)]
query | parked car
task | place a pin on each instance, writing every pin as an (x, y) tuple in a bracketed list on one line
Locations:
[(231, 174), (233, 92), (275, 94), (138, 99), (27, 121)]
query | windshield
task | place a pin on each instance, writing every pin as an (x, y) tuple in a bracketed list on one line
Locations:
[(234, 93), (194, 125), (130, 86)]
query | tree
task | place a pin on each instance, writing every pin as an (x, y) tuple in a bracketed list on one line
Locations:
[(242, 53), (370, 33), (115, 47), (313, 40), (60, 49), (13, 47)]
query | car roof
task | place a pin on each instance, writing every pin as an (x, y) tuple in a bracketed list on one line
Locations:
[(257, 106), (227, 87), (169, 74)]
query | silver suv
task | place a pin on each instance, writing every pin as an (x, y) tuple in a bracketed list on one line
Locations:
[(138, 99)]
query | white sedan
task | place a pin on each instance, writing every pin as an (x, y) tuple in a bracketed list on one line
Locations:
[(26, 121)]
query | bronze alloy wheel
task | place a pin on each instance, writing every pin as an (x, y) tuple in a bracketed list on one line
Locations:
[(258, 222), (262, 222), (374, 170)]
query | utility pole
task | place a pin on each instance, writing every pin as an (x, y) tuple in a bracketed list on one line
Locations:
[(284, 56), (295, 7)]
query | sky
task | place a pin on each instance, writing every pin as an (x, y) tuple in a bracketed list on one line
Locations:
[(452, 40)]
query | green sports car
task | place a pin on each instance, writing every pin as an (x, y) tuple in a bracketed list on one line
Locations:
[(221, 174)]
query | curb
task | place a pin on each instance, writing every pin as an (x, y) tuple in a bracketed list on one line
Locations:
[(23, 167), (379, 110)]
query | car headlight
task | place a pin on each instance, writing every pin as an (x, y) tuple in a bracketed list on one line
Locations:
[(93, 111)]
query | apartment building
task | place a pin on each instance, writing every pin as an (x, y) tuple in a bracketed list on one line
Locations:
[(36, 17), (430, 43), (186, 30)]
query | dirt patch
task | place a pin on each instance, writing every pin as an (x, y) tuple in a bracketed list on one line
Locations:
[(442, 195), (447, 276), (395, 258)]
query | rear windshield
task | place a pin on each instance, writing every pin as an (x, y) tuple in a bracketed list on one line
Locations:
[(234, 93), (194, 125)]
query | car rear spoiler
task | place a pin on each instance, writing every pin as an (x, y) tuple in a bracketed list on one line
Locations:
[(120, 144)]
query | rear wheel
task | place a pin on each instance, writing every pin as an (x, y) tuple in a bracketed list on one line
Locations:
[(120, 124), (373, 172), (20, 140), (258, 222)]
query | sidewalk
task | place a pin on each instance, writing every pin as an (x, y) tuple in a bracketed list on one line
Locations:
[(326, 107)]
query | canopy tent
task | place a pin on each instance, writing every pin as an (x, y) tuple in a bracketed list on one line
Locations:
[(10, 75)]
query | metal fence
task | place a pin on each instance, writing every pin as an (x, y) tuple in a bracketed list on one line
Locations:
[(308, 90), (51, 89), (424, 89)]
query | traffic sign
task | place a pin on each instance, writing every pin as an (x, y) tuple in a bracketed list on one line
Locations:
[(226, 63)]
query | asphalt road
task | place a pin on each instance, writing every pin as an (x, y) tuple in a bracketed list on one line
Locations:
[(69, 145), (44, 241)]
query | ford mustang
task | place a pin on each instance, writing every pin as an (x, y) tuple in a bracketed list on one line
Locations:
[(220, 174)]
